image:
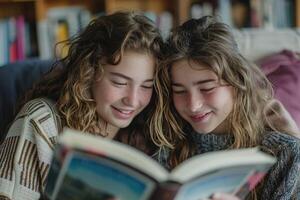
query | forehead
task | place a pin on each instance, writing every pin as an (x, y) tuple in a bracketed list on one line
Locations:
[(133, 64), (185, 69)]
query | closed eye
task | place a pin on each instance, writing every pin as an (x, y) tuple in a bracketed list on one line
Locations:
[(147, 87), (207, 89), (119, 83), (179, 91)]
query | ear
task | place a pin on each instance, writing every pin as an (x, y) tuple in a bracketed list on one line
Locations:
[(279, 119)]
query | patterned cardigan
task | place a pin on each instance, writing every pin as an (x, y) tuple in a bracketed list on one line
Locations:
[(25, 154)]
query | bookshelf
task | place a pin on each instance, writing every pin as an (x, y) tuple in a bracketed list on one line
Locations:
[(266, 14), (40, 17), (297, 11), (12, 20), (45, 22)]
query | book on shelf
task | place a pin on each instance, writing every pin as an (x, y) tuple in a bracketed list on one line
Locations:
[(15, 41), (61, 23), (91, 167)]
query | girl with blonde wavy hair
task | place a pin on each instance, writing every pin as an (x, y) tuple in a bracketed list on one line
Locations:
[(219, 100), (104, 86)]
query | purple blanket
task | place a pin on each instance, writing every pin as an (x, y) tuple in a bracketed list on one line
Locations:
[(283, 70)]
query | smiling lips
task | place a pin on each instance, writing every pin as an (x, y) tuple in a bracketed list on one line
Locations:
[(122, 113), (200, 117)]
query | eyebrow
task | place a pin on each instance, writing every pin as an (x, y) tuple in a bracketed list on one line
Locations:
[(127, 77), (195, 83)]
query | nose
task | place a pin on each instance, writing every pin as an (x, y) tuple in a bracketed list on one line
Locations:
[(131, 97), (195, 101)]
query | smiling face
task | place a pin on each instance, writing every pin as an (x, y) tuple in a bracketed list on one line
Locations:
[(124, 90), (200, 98)]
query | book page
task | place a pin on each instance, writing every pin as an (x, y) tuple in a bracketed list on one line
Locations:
[(115, 150), (86, 176), (234, 180), (212, 161)]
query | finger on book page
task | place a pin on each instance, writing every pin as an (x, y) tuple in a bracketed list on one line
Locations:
[(223, 196)]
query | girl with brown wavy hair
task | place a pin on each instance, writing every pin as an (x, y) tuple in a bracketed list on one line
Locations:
[(104, 86), (218, 100)]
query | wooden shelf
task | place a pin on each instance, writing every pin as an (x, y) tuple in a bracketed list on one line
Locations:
[(14, 8), (175, 12), (183, 9), (178, 8), (41, 6)]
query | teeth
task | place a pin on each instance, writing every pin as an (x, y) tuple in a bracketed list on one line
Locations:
[(200, 115), (125, 111)]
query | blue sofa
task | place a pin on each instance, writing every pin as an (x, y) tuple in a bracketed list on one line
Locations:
[(15, 79)]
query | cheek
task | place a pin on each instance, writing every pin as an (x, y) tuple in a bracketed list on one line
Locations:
[(213, 98), (111, 96), (179, 102), (145, 97), (222, 99), (103, 93)]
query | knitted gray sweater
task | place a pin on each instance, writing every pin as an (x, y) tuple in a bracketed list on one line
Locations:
[(282, 181)]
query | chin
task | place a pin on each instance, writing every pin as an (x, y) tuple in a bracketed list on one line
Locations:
[(122, 124), (203, 130)]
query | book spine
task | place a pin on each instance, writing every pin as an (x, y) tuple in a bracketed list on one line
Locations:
[(166, 191), (12, 40), (20, 37), (297, 13), (2, 44)]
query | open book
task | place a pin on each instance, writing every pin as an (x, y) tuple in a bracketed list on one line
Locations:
[(91, 167)]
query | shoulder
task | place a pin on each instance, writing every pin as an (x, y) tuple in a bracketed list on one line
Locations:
[(39, 109), (276, 138), (283, 178), (36, 106), (40, 115), (281, 144)]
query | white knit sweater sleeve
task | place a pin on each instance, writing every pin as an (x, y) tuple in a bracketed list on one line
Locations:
[(26, 152)]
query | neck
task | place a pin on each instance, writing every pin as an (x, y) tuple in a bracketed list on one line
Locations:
[(221, 129), (108, 130)]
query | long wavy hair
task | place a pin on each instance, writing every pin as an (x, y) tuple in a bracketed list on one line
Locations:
[(103, 41), (208, 41)]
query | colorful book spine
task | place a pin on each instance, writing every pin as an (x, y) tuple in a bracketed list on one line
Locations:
[(20, 29)]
